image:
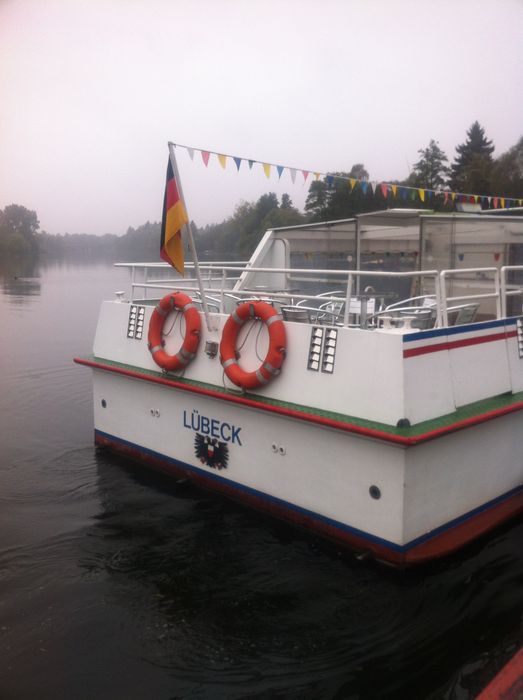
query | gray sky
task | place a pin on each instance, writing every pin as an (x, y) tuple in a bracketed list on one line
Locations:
[(92, 90)]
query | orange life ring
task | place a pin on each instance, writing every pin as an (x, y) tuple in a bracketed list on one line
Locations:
[(170, 302), (277, 344)]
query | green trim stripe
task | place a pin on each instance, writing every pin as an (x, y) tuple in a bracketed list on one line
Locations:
[(463, 413)]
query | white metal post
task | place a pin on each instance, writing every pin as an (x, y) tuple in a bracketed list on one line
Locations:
[(443, 296), (498, 295), (347, 301)]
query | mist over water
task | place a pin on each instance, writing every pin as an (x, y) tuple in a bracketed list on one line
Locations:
[(115, 583)]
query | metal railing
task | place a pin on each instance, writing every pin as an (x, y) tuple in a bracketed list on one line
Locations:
[(506, 291), (496, 294), (222, 290)]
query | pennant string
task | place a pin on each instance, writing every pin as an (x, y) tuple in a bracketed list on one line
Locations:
[(404, 191)]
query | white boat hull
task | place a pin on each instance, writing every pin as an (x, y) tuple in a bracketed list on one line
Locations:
[(402, 503)]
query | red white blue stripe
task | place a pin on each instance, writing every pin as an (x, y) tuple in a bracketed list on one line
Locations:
[(440, 339)]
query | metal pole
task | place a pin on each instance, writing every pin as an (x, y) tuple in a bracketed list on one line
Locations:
[(443, 296), (498, 296), (347, 301), (357, 253), (190, 239)]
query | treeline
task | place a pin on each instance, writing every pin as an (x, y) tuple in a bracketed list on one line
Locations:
[(20, 235), (474, 171), (140, 243)]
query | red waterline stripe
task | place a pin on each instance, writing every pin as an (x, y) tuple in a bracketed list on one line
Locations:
[(424, 349), (440, 544), (406, 441), (457, 536), (508, 684)]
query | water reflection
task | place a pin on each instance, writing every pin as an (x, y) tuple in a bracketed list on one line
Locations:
[(20, 278), (227, 598)]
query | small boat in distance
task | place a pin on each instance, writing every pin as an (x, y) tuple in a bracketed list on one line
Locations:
[(360, 378)]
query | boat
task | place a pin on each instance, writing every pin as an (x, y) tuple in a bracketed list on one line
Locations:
[(361, 378), (508, 682)]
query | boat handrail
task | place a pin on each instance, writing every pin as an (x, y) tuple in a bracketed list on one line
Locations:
[(224, 285), (446, 300), (505, 290)]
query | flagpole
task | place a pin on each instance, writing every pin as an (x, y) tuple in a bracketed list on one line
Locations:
[(190, 237)]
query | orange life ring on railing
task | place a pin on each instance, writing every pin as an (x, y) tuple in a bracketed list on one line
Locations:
[(170, 302), (277, 344)]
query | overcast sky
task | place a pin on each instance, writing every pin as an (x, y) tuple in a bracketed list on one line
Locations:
[(91, 91)]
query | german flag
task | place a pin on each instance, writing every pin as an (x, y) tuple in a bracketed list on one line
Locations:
[(173, 219)]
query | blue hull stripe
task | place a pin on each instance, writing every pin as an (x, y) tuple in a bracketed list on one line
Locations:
[(456, 330), (311, 514)]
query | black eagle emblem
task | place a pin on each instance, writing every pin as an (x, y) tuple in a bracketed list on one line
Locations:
[(211, 451)]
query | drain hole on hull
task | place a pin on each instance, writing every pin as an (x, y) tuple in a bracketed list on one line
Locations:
[(375, 492)]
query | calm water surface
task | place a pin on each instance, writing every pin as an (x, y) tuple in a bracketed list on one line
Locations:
[(118, 584)]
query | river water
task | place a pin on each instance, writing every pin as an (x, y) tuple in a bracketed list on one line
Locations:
[(119, 584)]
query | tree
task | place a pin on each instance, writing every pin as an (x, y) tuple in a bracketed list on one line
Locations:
[(358, 171), (286, 201), (333, 197), (430, 171), (252, 220), (507, 172), (18, 228), (471, 169), (316, 202)]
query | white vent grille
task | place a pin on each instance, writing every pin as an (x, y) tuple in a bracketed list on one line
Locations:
[(322, 349), (519, 327), (315, 348), (135, 324)]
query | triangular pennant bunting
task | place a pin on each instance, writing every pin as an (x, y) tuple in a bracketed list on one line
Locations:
[(424, 194)]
